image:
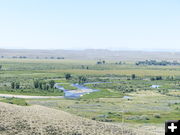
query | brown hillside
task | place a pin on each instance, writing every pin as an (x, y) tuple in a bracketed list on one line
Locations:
[(39, 120)]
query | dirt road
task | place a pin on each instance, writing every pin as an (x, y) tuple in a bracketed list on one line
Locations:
[(28, 97)]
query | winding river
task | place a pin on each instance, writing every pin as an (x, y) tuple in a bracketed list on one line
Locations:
[(81, 89)]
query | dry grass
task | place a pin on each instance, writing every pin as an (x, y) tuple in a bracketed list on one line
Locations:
[(40, 120), (138, 72)]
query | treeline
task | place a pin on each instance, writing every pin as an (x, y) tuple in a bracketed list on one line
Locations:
[(54, 57), (120, 63), (15, 85), (37, 84), (43, 85), (154, 62), (101, 62), (37, 57), (80, 79), (20, 57), (104, 62), (156, 78)]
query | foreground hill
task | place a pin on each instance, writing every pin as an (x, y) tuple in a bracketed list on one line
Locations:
[(39, 120)]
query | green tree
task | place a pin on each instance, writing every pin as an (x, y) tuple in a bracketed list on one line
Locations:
[(133, 76), (40, 84), (17, 85), (44, 85), (158, 77), (68, 76), (152, 79), (82, 79), (51, 83), (47, 87), (13, 85), (36, 84)]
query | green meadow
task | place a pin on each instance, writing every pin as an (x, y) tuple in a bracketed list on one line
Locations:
[(128, 98)]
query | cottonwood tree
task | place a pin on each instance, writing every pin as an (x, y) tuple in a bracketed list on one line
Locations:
[(13, 85), (68, 76), (17, 84), (133, 76), (36, 84), (82, 79), (51, 83)]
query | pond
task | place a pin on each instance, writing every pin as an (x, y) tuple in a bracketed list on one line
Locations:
[(155, 86), (127, 97)]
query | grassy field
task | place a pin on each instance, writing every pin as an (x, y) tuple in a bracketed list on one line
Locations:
[(68, 86), (144, 107), (31, 92), (125, 100), (16, 101)]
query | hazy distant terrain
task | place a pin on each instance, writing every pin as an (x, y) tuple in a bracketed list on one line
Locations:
[(92, 54)]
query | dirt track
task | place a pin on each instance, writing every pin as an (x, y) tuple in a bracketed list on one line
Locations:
[(39, 120), (28, 97)]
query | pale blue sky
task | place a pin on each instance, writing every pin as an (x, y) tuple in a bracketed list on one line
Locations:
[(83, 24)]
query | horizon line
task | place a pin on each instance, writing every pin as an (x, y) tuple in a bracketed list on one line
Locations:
[(79, 49)]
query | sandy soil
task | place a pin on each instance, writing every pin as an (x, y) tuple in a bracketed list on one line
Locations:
[(29, 97), (39, 120)]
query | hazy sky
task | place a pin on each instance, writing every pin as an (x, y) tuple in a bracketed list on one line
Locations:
[(82, 24)]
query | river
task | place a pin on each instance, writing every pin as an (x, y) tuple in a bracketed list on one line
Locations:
[(81, 89)]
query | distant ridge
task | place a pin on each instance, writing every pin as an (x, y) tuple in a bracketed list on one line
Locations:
[(93, 54)]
